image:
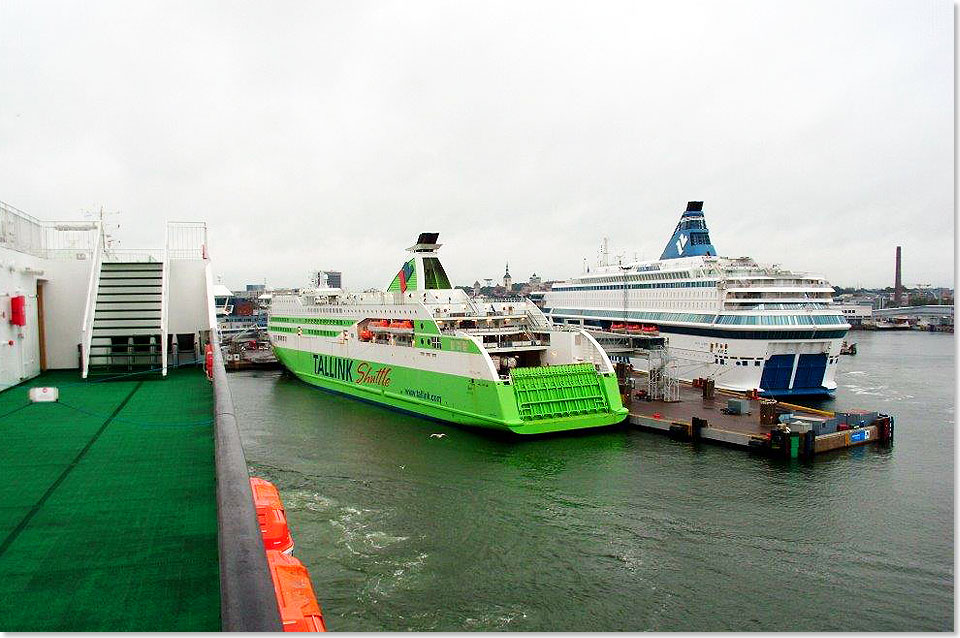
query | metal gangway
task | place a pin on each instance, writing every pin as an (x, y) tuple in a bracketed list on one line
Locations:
[(663, 380)]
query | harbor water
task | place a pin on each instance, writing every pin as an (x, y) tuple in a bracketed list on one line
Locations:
[(618, 529)]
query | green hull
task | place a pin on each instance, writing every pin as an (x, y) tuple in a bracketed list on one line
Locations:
[(537, 401)]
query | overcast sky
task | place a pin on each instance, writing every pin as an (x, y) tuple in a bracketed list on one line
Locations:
[(326, 135)]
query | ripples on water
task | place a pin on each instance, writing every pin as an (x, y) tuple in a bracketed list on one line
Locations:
[(618, 529)]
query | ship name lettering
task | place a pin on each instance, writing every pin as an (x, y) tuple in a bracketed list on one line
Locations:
[(333, 367), (376, 377)]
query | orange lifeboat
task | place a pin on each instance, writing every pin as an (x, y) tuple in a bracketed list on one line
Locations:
[(366, 335), (271, 517), (299, 609)]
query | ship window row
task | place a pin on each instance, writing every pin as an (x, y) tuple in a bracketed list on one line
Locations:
[(317, 321), (791, 335), (697, 239), (800, 305), (676, 274), (690, 317), (307, 331), (779, 320), (669, 284), (687, 317)]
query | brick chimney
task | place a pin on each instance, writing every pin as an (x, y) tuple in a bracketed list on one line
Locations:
[(898, 284)]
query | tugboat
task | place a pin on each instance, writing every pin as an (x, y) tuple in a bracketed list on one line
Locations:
[(848, 348), (249, 349)]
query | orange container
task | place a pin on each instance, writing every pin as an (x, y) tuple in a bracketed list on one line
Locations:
[(299, 609), (271, 517)]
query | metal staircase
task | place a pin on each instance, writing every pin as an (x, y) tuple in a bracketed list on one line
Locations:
[(127, 329)]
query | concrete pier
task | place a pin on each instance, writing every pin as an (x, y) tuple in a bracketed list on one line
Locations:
[(696, 418)]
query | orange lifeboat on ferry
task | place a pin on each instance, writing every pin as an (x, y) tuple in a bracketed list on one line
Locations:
[(299, 609), (271, 517), (404, 324)]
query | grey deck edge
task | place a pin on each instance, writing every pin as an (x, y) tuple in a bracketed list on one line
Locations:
[(247, 598)]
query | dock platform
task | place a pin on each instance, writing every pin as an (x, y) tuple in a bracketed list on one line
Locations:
[(696, 418)]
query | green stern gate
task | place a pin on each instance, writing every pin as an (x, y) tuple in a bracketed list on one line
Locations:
[(553, 392)]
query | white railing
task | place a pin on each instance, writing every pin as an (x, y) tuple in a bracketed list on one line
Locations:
[(93, 286), (186, 240), (132, 255), (165, 300), (51, 240), (537, 319), (211, 302), (20, 231)]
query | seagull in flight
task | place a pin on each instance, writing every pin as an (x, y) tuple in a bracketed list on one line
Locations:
[(437, 436)]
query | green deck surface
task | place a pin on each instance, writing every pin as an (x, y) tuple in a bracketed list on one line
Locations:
[(108, 514)]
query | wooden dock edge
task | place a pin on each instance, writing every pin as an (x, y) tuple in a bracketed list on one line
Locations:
[(685, 431)]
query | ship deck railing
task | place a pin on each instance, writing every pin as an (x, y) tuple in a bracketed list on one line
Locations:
[(515, 346), (448, 316), (505, 330), (390, 329)]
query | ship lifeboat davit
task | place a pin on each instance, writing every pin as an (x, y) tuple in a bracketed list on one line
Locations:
[(299, 610), (271, 517)]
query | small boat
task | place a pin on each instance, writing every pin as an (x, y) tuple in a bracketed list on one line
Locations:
[(848, 348)]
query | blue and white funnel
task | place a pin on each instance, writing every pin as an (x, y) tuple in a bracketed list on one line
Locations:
[(691, 238)]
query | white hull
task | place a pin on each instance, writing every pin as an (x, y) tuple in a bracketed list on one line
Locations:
[(742, 367)]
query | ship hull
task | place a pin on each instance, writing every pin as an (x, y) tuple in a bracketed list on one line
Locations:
[(778, 368), (442, 396)]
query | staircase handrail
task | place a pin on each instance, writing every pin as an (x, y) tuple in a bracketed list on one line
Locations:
[(93, 286), (164, 299)]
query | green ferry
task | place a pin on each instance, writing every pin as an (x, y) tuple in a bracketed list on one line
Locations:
[(424, 347)]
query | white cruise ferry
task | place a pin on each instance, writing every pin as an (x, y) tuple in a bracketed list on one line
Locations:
[(746, 325)]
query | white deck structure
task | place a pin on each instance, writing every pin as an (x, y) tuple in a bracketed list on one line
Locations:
[(87, 306)]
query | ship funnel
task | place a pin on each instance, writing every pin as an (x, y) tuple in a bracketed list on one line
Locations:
[(424, 270), (691, 237)]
